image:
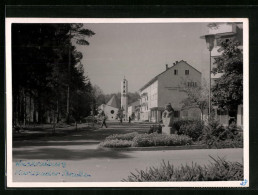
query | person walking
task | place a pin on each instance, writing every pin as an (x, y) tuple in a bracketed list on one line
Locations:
[(104, 120), (130, 119)]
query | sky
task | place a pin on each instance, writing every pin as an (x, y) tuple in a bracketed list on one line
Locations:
[(140, 52)]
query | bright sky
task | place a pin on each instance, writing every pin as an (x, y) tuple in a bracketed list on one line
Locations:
[(140, 51)]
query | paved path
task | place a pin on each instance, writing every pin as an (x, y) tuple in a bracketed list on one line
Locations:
[(80, 153)]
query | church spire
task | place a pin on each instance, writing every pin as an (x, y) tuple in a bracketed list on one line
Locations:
[(124, 98)]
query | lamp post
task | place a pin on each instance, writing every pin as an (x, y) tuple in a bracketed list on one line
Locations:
[(210, 45)]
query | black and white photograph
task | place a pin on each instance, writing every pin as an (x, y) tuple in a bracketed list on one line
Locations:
[(127, 102)]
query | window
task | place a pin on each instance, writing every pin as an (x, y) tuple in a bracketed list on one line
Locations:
[(124, 91), (192, 84), (175, 72), (186, 72)]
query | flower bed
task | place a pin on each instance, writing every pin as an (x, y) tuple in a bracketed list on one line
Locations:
[(116, 143), (155, 139), (127, 136), (145, 140), (218, 170)]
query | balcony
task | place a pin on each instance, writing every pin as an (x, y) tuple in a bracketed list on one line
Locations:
[(222, 29)]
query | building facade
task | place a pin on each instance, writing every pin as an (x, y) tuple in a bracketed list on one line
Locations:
[(134, 111), (110, 109), (167, 87)]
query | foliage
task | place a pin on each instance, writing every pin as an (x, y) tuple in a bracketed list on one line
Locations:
[(227, 93), (40, 55), (178, 123), (120, 113), (145, 140), (155, 128), (127, 136), (154, 139), (193, 130), (116, 143), (197, 96), (218, 170), (215, 135)]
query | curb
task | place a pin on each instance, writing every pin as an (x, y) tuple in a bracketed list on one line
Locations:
[(157, 148), (190, 147)]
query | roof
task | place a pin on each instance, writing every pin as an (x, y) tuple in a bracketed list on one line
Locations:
[(113, 102), (156, 77)]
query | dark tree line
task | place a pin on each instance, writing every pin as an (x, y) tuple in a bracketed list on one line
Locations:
[(47, 77)]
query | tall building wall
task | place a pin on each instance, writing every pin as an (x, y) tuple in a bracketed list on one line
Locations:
[(171, 85)]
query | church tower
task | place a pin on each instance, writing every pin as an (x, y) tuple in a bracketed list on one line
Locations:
[(124, 98)]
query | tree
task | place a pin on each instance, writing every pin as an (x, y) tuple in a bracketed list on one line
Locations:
[(99, 95), (197, 96), (40, 73), (227, 92), (120, 113), (77, 33)]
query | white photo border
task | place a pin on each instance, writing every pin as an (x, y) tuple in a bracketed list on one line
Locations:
[(8, 66)]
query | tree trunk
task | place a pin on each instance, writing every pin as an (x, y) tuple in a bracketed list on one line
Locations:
[(24, 108), (68, 87), (30, 110)]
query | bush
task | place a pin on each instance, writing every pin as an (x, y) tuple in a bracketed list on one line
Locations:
[(192, 129), (127, 136), (236, 142), (180, 122), (218, 170), (217, 136), (154, 139), (155, 128), (116, 143)]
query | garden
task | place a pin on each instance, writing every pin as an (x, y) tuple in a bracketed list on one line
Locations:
[(188, 133)]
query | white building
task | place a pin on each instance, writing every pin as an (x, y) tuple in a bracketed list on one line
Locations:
[(110, 109), (167, 87), (134, 111)]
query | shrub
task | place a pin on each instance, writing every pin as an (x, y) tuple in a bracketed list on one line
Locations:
[(155, 128), (236, 142), (154, 139), (116, 143), (217, 136), (192, 129), (178, 123), (127, 136), (218, 170)]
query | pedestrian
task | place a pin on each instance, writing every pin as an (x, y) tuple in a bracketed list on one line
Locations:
[(130, 119), (104, 120), (121, 119)]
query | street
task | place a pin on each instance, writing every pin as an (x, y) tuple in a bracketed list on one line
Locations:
[(80, 153)]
